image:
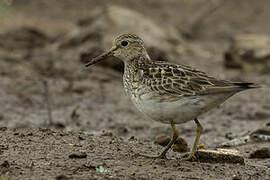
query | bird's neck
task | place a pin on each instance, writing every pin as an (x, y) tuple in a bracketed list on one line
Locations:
[(133, 71), (138, 62)]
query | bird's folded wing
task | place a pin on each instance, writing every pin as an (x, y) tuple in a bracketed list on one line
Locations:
[(176, 81)]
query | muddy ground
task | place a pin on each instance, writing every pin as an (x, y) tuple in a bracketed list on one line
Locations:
[(61, 121)]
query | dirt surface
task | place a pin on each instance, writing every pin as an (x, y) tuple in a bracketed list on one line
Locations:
[(61, 121)]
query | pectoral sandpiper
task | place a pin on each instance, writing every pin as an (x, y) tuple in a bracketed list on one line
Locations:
[(167, 92)]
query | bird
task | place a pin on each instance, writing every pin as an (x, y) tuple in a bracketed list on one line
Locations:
[(166, 92)]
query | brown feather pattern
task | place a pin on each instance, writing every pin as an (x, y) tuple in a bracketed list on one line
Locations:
[(176, 80)]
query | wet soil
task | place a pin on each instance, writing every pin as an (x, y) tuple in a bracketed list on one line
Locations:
[(61, 121)]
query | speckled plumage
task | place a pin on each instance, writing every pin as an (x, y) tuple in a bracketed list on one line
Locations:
[(167, 92)]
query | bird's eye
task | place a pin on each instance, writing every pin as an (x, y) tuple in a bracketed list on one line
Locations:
[(124, 43)]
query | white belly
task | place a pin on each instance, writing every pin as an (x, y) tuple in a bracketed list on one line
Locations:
[(179, 111)]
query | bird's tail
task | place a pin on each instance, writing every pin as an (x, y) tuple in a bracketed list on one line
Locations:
[(246, 85)]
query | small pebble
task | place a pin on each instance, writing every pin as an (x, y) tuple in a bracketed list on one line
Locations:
[(61, 177), (3, 128), (107, 133), (5, 164), (78, 155), (180, 145), (201, 146), (162, 140), (81, 138), (261, 153), (132, 138), (236, 177)]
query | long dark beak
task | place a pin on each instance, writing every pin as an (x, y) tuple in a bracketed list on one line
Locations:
[(100, 57)]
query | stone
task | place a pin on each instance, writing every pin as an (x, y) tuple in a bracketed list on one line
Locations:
[(261, 153), (162, 140), (181, 145), (77, 155), (250, 52), (219, 156)]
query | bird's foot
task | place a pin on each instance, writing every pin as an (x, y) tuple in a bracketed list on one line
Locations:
[(190, 157)]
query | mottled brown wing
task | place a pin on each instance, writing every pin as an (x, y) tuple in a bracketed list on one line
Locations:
[(178, 80)]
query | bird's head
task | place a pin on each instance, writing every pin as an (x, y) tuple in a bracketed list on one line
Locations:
[(125, 47)]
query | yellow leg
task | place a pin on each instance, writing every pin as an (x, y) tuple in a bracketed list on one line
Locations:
[(194, 148), (168, 147)]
